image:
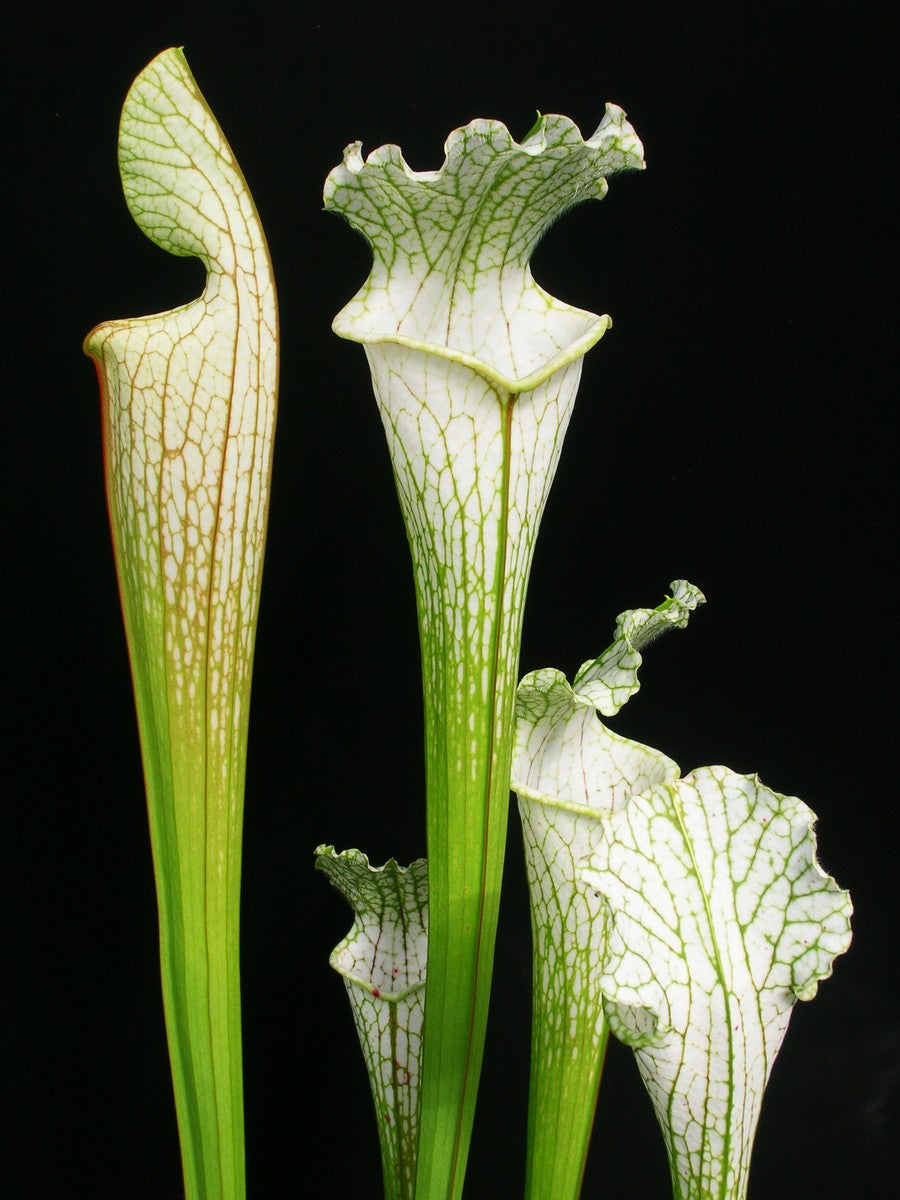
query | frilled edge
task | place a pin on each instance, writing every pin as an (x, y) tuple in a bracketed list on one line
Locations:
[(602, 686), (550, 130), (669, 769), (351, 873), (635, 1010), (411, 243), (610, 680)]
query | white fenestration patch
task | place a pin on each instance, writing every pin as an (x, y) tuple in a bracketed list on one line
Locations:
[(190, 400), (382, 961), (721, 919)]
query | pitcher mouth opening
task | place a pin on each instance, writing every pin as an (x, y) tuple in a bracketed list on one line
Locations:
[(506, 383)]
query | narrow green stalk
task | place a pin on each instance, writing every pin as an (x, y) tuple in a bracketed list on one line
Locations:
[(468, 752), (188, 403)]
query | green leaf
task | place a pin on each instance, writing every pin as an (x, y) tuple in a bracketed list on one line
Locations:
[(475, 369), (382, 961), (721, 919), (188, 408), (570, 773)]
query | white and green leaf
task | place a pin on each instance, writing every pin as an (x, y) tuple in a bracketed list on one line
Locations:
[(188, 409), (382, 961), (570, 773), (720, 919), (475, 369)]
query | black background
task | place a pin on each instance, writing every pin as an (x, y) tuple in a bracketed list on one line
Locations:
[(732, 428)]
